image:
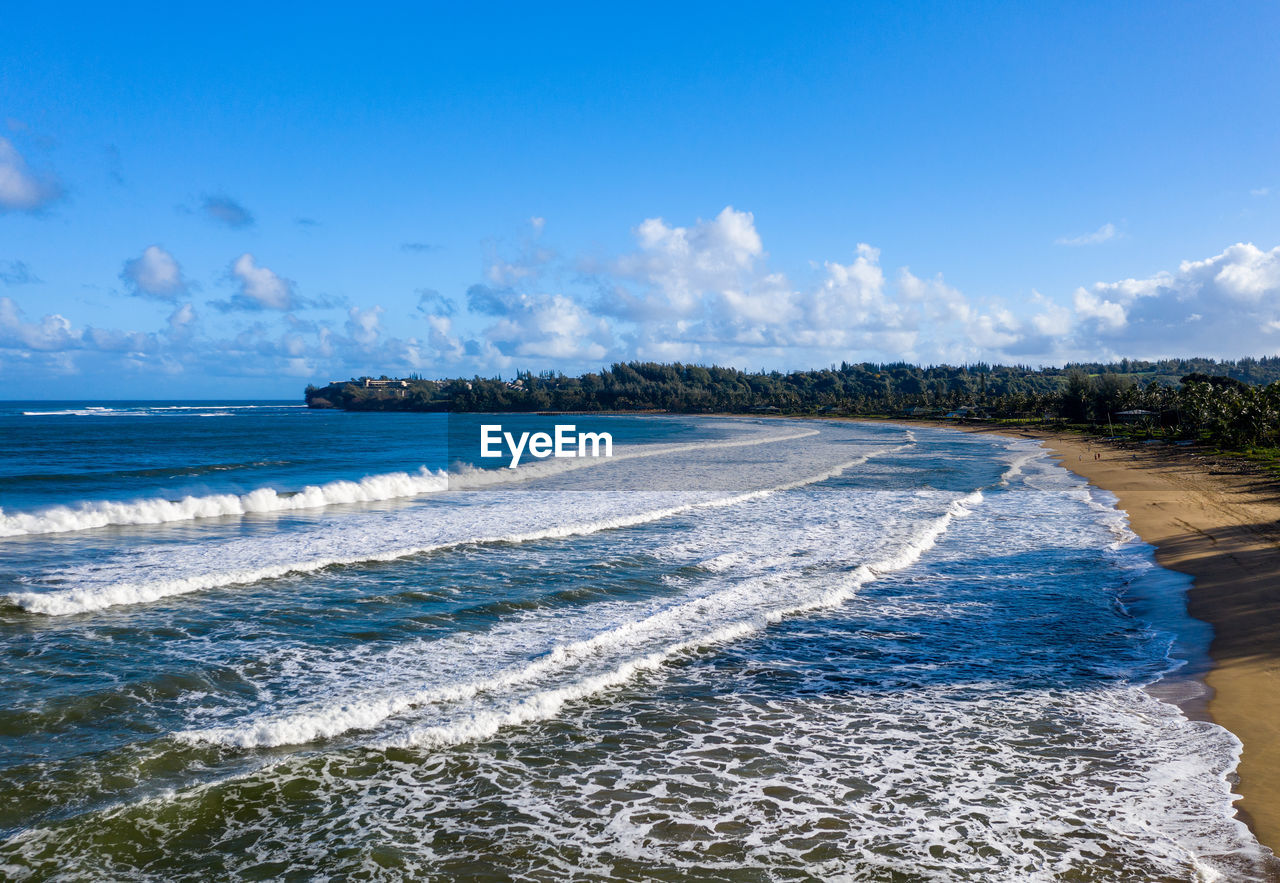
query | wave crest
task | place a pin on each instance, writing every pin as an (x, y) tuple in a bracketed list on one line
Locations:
[(109, 513)]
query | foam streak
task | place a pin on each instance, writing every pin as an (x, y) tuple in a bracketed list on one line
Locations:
[(64, 602)]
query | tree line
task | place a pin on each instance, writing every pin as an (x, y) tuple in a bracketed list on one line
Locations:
[(1229, 403)]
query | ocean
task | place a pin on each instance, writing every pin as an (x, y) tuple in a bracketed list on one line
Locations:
[(251, 641)]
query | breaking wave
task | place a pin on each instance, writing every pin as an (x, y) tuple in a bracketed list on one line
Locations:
[(94, 514), (626, 649), (63, 602), (109, 513)]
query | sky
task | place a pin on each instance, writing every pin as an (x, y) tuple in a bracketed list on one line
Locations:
[(237, 201)]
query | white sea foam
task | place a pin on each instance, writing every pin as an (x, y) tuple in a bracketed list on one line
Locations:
[(94, 514), (146, 411), (62, 602), (546, 703), (1017, 463), (985, 807), (613, 655), (930, 732), (104, 513)]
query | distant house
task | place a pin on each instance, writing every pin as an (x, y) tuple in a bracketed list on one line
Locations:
[(1135, 416), (396, 387)]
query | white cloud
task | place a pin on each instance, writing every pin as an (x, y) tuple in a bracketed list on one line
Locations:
[(1243, 273), (705, 293), (678, 266), (1053, 320), (154, 274), (53, 332), (994, 331), (181, 321), (846, 309), (441, 339), (260, 287), (53, 346), (702, 292), (1091, 306), (21, 189), (938, 301), (1104, 233), (522, 269), (1221, 306), (540, 326), (365, 326)]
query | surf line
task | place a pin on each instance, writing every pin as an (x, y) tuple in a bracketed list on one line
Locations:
[(65, 602), (394, 485)]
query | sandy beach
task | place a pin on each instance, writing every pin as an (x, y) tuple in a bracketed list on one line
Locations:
[(1220, 525)]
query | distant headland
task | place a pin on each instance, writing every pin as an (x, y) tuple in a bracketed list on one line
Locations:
[(1233, 404)]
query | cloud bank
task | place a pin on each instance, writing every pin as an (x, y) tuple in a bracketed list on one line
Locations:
[(696, 292)]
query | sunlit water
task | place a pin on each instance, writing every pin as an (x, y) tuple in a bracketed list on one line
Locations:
[(269, 643)]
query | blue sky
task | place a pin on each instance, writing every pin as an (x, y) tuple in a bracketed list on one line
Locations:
[(239, 201)]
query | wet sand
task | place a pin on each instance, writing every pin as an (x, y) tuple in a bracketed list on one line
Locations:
[(1220, 524)]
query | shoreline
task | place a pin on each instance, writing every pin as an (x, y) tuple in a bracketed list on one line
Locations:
[(1221, 527)]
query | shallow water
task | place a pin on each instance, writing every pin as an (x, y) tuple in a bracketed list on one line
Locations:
[(739, 650)]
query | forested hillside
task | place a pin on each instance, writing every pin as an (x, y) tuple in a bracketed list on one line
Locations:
[(1230, 402)]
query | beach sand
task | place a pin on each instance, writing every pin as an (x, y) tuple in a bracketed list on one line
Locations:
[(1221, 525)]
